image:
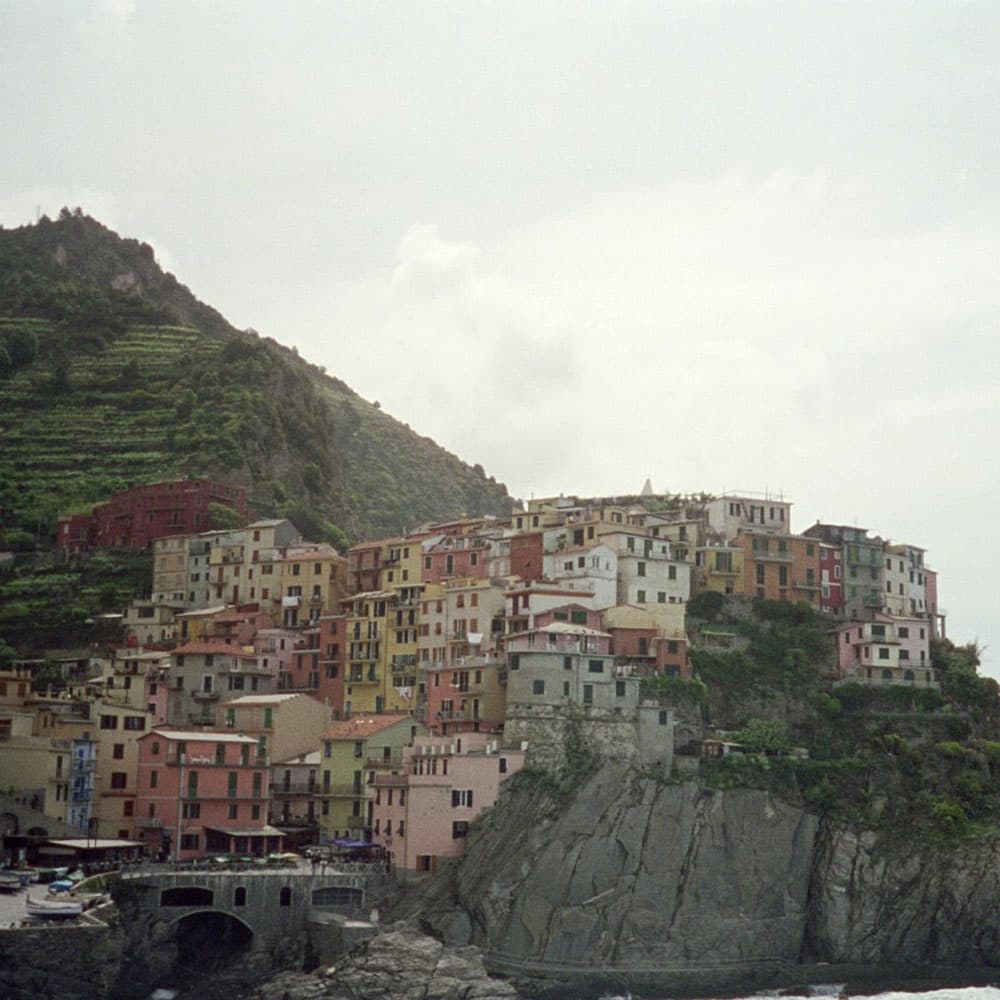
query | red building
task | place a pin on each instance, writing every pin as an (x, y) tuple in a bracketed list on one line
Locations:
[(136, 518), (463, 556), (831, 597), (332, 633), (526, 556)]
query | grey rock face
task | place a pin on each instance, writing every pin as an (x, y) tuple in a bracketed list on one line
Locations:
[(642, 873), (399, 964), (930, 906), (639, 875)]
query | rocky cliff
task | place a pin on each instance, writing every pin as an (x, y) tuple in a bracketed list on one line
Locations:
[(643, 877), (401, 964)]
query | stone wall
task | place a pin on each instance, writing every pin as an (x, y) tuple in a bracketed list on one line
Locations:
[(58, 962), (550, 732)]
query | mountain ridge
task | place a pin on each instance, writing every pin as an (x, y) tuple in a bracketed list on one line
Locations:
[(104, 354)]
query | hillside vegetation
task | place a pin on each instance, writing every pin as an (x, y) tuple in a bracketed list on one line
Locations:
[(112, 373)]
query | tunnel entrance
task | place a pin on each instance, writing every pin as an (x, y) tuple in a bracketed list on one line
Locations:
[(210, 949)]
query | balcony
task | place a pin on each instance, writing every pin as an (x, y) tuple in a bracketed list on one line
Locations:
[(392, 780), (148, 823), (294, 788), (343, 791), (762, 556), (382, 763), (205, 695), (291, 602)]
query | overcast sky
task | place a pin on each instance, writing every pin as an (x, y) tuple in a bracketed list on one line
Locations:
[(724, 245)]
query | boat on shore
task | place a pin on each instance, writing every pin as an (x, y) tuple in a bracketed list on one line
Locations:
[(12, 881), (54, 909)]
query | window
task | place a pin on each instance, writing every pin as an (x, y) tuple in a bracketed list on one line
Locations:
[(190, 841), (619, 689), (883, 653), (285, 896), (671, 572), (538, 687), (640, 569), (461, 798), (129, 808), (191, 810), (118, 779), (154, 778), (503, 765), (118, 751), (903, 632), (233, 812), (567, 663), (640, 596), (595, 666), (588, 694), (664, 716), (240, 896), (109, 722), (136, 723), (459, 829)]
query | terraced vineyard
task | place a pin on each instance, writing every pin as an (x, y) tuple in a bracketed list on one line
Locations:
[(72, 441), (112, 373)]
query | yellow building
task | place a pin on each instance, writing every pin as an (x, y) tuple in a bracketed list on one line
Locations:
[(718, 568), (380, 658), (310, 579)]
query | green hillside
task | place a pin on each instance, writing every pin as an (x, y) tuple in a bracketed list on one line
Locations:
[(113, 374)]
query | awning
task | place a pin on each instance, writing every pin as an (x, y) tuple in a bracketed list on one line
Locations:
[(349, 843), (259, 831)]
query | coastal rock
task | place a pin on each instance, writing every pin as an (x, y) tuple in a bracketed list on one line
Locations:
[(401, 963), (640, 876), (636, 873)]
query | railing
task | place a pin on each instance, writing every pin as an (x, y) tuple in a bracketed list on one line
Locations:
[(380, 763), (338, 791), (392, 780), (767, 556), (295, 788)]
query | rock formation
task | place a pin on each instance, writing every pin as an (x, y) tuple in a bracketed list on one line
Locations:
[(399, 964), (637, 876)]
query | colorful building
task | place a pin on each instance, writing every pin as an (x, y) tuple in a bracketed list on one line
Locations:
[(203, 793), (422, 814), (135, 518), (353, 751)]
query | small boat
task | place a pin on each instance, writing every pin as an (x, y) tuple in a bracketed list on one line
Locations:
[(13, 881), (49, 909)]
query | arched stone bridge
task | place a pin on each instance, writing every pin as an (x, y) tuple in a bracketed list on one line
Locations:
[(273, 905)]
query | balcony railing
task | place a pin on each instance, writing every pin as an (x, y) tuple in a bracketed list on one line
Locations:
[(381, 763), (762, 556), (340, 791), (294, 788)]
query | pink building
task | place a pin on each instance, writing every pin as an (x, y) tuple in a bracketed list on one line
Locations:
[(454, 556), (422, 814), (886, 651), (202, 793)]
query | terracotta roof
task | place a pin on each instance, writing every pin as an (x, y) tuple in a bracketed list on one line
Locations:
[(360, 726)]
